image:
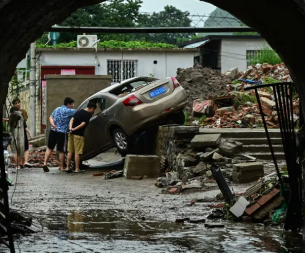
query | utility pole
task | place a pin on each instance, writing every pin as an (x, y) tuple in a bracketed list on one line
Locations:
[(33, 89)]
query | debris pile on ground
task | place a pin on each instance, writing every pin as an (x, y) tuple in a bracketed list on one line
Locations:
[(263, 72), (202, 83), (231, 106), (262, 201), (36, 158), (187, 158)]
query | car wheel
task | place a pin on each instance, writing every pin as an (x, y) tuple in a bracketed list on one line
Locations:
[(121, 141)]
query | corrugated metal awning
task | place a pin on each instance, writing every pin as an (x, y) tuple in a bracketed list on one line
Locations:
[(197, 44)]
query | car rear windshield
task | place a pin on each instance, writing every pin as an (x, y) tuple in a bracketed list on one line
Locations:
[(129, 87)]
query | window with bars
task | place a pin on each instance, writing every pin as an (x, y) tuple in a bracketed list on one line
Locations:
[(122, 69)]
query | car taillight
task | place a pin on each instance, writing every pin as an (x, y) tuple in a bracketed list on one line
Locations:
[(175, 82), (132, 101)]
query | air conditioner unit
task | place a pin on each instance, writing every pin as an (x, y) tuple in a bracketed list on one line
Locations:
[(86, 41)]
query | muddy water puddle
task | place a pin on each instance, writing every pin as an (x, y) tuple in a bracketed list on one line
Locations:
[(131, 231)]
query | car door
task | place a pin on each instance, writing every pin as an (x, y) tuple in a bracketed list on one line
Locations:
[(96, 135)]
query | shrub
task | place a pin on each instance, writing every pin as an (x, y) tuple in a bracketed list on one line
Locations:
[(265, 55)]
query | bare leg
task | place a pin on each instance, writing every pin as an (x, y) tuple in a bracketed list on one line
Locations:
[(16, 161), (26, 157), (47, 156), (77, 162), (21, 160), (69, 158), (62, 160)]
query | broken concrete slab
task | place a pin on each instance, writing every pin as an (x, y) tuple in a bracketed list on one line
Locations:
[(253, 166), (217, 157), (141, 165), (189, 161), (208, 155), (200, 169), (202, 141), (247, 172), (193, 185), (228, 149), (232, 73)]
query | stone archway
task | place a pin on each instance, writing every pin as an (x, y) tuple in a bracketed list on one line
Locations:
[(278, 21)]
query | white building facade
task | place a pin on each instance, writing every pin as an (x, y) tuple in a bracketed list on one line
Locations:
[(225, 52), (120, 63)]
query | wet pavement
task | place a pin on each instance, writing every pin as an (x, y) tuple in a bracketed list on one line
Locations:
[(83, 213)]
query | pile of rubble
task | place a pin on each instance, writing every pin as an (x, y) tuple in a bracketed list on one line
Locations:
[(260, 201), (202, 83), (264, 71), (239, 108), (192, 161), (36, 158), (187, 158)]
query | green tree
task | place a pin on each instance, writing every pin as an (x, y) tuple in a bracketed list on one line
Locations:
[(169, 17), (114, 13)]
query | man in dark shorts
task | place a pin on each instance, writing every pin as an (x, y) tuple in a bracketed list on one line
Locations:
[(77, 127), (59, 121)]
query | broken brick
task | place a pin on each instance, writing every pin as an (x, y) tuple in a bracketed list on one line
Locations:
[(250, 210), (173, 190)]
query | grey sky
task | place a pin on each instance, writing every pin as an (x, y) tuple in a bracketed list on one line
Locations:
[(193, 6)]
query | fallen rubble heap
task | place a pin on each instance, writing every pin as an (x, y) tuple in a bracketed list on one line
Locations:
[(238, 108), (193, 161), (202, 83), (187, 157), (36, 158)]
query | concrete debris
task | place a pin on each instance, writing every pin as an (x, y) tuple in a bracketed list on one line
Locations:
[(208, 155), (239, 108), (114, 174), (228, 149), (184, 165), (217, 157), (247, 172), (203, 141), (264, 71), (200, 169), (36, 158), (141, 165), (232, 73)]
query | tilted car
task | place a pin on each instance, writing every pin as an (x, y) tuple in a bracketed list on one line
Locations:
[(127, 108)]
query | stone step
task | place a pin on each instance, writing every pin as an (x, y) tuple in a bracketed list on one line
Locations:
[(254, 141), (262, 148), (280, 156), (241, 132)]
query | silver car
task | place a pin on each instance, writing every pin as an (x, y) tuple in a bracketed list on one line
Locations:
[(129, 107)]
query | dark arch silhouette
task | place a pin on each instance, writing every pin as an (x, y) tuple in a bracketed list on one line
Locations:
[(280, 22)]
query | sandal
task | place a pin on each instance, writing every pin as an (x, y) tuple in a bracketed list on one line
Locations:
[(80, 171), (45, 168)]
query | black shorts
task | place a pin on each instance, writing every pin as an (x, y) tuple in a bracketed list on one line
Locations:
[(26, 142), (57, 139)]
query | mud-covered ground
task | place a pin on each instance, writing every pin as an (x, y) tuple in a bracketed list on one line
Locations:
[(83, 213)]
